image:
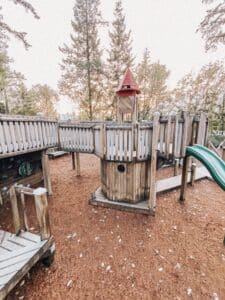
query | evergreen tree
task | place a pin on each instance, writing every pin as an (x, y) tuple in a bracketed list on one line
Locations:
[(120, 53), (82, 66), (25, 104), (212, 26), (151, 78), (203, 92)]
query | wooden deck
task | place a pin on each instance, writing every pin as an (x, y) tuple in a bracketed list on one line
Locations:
[(174, 182), (18, 254)]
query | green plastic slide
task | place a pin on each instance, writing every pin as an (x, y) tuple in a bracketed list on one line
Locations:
[(211, 161)]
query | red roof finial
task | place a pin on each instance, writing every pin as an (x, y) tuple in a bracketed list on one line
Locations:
[(128, 86)]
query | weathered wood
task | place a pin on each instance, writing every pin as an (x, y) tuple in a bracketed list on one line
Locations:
[(16, 264), (25, 219), (168, 184), (46, 172), (176, 166), (193, 173), (78, 163), (223, 153), (153, 163), (201, 129), (73, 161), (41, 205), (186, 162), (98, 199), (15, 210)]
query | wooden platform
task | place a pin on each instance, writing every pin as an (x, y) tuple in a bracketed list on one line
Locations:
[(57, 154), (174, 182), (18, 254), (98, 198)]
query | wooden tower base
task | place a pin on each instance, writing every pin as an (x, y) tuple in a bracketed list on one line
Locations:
[(98, 199)]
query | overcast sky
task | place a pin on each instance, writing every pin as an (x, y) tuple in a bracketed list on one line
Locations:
[(167, 28)]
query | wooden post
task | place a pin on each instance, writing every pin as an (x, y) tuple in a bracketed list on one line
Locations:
[(1, 200), (153, 163), (41, 205), (15, 210), (193, 173), (46, 172), (184, 178), (78, 163), (25, 219), (223, 153), (73, 161), (176, 166)]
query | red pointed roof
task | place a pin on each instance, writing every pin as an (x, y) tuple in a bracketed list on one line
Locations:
[(128, 86)]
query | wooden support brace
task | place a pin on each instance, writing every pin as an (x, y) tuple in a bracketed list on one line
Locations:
[(73, 161), (153, 163), (78, 163), (15, 210), (223, 154), (1, 200), (46, 172), (176, 166), (41, 205), (184, 178), (193, 173)]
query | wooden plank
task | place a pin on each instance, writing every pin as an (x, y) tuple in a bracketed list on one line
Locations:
[(78, 163), (11, 283), (186, 162), (41, 205), (171, 183), (153, 162), (46, 172), (98, 199), (15, 210)]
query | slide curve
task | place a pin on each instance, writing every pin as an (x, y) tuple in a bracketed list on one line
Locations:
[(214, 164)]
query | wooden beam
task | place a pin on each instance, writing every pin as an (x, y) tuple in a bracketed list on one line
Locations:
[(153, 163), (78, 163), (15, 210), (73, 161), (41, 205), (176, 166), (193, 173), (1, 200), (46, 172), (184, 178), (223, 154)]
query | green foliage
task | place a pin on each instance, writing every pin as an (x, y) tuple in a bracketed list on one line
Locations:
[(151, 78), (216, 140), (82, 65), (212, 26), (45, 99), (119, 58), (203, 92)]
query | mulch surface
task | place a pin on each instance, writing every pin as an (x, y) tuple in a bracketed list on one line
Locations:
[(107, 254)]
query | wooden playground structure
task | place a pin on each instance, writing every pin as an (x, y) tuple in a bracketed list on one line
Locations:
[(128, 151)]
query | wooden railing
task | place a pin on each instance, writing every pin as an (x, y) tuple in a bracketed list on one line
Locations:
[(20, 217), (111, 141), (76, 138), (20, 135)]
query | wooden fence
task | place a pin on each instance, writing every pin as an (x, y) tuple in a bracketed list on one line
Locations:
[(76, 138), (111, 141), (20, 135)]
